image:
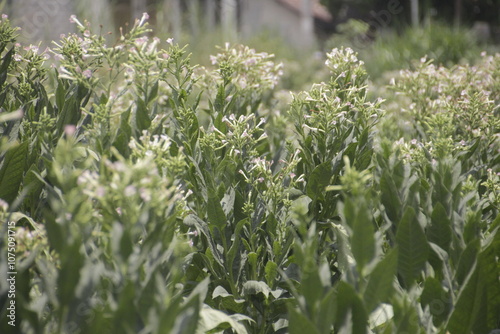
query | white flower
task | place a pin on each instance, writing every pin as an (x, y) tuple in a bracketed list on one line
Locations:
[(130, 191)]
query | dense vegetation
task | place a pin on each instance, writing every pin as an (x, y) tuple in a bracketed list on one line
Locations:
[(152, 195)]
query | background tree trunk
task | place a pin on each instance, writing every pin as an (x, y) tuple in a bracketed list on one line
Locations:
[(172, 18), (194, 17), (457, 17), (210, 8), (98, 13), (307, 23), (414, 13), (228, 19), (138, 7)]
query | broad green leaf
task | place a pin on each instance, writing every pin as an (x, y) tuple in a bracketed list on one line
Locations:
[(215, 212), (436, 298), (326, 312), (271, 271), (439, 231), (468, 305), (11, 172), (69, 275), (467, 260), (390, 198), (187, 321), (125, 316), (406, 319), (311, 286), (124, 134), (227, 201), (348, 301), (202, 227), (214, 321), (299, 323), (363, 232), (235, 251), (142, 119), (477, 308), (6, 60), (255, 287), (380, 282), (60, 94), (413, 249), (381, 317), (227, 300), (318, 180)]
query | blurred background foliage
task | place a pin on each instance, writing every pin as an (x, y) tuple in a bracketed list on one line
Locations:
[(388, 35)]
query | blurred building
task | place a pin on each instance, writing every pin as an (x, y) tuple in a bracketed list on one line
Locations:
[(299, 22)]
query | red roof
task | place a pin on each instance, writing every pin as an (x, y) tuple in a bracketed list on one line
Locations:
[(319, 11)]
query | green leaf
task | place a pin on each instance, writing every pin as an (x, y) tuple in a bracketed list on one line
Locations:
[(142, 119), (468, 305), (11, 172), (187, 321), (6, 60), (255, 287), (202, 227), (439, 231), (436, 298), (227, 300), (412, 246), (348, 301), (363, 232), (60, 94), (318, 180), (467, 260), (227, 201), (214, 321), (235, 250), (380, 282), (477, 307), (406, 319), (215, 212), (299, 323), (124, 134), (390, 198), (69, 275), (271, 271), (326, 312)]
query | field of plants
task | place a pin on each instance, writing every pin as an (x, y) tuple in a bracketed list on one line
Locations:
[(146, 194)]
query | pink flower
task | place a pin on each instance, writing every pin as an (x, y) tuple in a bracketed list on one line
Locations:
[(72, 18), (87, 73), (69, 130)]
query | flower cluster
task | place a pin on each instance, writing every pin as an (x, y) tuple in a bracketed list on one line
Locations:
[(247, 69), (467, 93), (346, 69), (157, 148)]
